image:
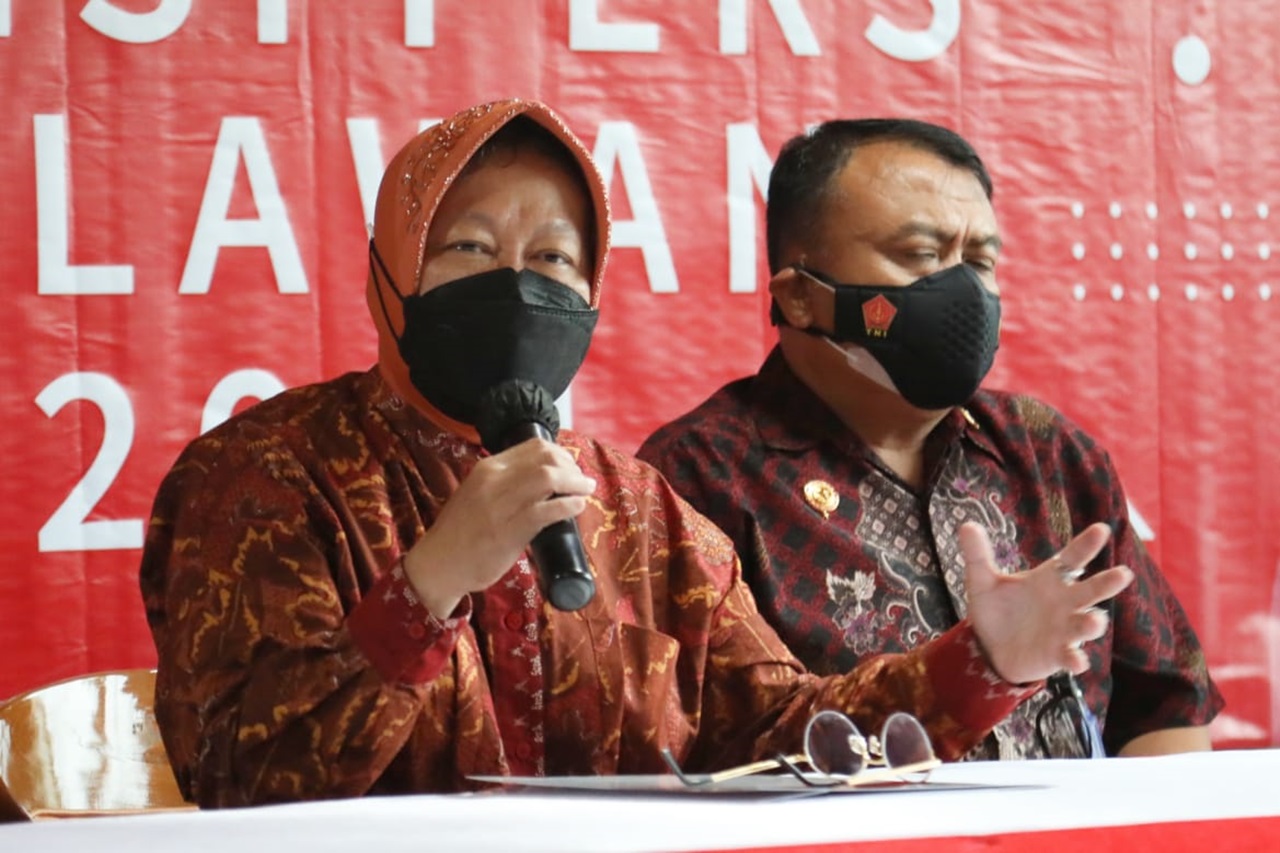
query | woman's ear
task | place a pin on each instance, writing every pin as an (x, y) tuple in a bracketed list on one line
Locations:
[(791, 292)]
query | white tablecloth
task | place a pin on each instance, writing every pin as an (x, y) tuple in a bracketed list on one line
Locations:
[(1050, 795)]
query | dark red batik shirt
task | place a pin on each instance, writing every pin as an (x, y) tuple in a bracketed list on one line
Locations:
[(848, 562)]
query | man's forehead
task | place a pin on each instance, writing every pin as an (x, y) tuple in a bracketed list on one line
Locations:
[(903, 165), (897, 181)]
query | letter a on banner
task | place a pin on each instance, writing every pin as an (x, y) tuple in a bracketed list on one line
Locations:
[(617, 142), (239, 136)]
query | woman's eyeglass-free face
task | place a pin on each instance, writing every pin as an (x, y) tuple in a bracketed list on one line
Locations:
[(837, 753)]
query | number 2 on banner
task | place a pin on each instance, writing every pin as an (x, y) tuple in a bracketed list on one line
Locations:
[(67, 528)]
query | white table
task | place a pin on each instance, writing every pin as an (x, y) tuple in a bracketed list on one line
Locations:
[(1239, 791)]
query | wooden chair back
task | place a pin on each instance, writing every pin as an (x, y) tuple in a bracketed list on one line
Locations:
[(84, 746)]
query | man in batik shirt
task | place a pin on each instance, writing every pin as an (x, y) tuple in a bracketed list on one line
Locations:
[(874, 494)]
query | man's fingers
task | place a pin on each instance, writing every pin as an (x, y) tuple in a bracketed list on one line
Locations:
[(1083, 548), (1104, 585), (1075, 661), (1090, 624), (979, 557)]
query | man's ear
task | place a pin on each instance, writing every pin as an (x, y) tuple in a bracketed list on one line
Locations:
[(791, 292)]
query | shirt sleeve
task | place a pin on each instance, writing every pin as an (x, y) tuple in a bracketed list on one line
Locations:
[(1160, 678), (946, 683), (275, 681), (399, 635), (757, 697)]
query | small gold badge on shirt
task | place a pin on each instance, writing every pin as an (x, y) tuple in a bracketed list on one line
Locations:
[(822, 496)]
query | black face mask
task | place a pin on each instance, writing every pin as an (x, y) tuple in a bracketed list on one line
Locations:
[(936, 337), (467, 335)]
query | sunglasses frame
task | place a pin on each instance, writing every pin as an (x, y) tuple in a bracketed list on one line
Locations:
[(878, 773)]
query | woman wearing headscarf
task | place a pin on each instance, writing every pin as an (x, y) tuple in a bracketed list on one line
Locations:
[(336, 580)]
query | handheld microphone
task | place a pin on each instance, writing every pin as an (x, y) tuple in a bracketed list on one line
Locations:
[(514, 411)]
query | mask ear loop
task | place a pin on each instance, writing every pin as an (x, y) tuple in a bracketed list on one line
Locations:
[(374, 255), (776, 317)]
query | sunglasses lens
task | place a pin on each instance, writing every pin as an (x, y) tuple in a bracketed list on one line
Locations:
[(905, 741), (833, 744)]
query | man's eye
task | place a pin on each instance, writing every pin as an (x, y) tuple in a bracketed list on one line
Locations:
[(982, 264)]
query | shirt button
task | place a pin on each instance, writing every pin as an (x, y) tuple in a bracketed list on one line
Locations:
[(417, 630), (513, 620)]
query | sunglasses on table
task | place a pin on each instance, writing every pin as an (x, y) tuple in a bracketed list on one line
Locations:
[(837, 754), (1066, 710)]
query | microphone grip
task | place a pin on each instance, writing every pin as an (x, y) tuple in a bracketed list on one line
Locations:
[(562, 565), (556, 550)]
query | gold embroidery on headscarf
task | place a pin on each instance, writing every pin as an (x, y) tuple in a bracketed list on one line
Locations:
[(420, 166)]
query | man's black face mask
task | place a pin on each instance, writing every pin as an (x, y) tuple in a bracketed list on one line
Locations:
[(936, 337), (467, 335)]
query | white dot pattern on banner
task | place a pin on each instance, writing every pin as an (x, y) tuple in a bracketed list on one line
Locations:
[(1191, 60), (1192, 291)]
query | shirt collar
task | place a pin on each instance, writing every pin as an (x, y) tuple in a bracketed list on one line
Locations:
[(790, 416)]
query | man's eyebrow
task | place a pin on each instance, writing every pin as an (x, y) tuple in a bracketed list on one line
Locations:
[(933, 232), (989, 241)]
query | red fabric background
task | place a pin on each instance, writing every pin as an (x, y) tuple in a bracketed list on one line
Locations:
[(1098, 147)]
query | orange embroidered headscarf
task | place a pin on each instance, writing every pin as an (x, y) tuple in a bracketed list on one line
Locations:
[(415, 181)]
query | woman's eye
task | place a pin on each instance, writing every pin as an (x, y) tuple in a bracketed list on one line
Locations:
[(552, 257), (466, 246), (982, 264)]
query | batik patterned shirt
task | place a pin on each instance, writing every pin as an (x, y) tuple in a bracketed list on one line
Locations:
[(850, 564), (296, 662)]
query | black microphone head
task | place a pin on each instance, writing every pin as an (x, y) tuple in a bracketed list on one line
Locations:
[(509, 404)]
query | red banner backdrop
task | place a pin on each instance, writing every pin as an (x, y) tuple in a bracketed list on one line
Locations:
[(187, 182)]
